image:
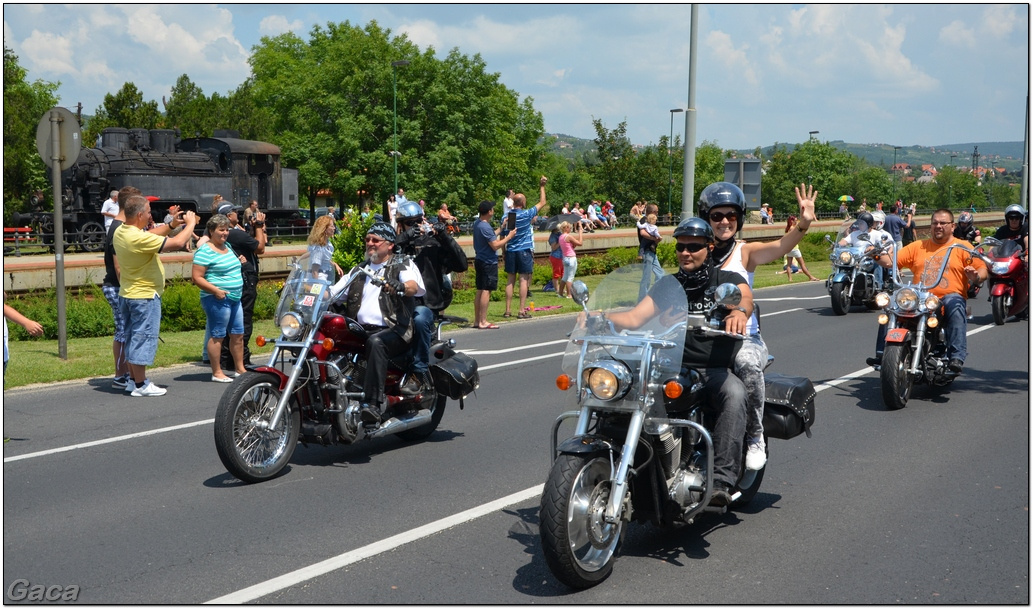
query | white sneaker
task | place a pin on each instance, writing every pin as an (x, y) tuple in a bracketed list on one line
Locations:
[(148, 390), (130, 385), (755, 455)]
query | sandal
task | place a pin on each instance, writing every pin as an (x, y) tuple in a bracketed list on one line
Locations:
[(490, 326), (524, 315), (507, 314)]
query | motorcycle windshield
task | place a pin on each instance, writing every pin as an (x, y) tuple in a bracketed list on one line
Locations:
[(650, 353), (849, 231), (305, 293)]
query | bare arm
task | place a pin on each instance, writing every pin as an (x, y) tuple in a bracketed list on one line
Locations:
[(197, 274), (541, 193), (498, 243), (32, 327), (736, 320), (757, 254), (643, 312), (180, 241)]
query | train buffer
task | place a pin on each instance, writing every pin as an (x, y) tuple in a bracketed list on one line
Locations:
[(19, 236)]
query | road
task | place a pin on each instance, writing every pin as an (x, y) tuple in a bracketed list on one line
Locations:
[(126, 498)]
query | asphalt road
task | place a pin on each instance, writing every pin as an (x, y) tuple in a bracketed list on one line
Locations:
[(126, 498)]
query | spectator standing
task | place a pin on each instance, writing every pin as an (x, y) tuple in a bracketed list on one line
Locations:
[(111, 286), (32, 327), (568, 242), (320, 247), (391, 207), (142, 284), (109, 209), (217, 271), (556, 260), (843, 211), (249, 216), (486, 244), (648, 238), (895, 226), (520, 252), (795, 254), (765, 215), (507, 202)]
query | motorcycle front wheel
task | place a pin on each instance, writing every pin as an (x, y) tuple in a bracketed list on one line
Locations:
[(580, 547), (249, 450), (840, 299), (999, 309), (896, 380)]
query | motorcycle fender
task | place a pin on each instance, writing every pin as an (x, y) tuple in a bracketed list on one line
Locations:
[(840, 277), (898, 335), (1001, 289), (275, 372), (586, 445)]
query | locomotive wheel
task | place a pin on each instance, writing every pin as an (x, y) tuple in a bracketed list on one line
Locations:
[(248, 448), (91, 237)]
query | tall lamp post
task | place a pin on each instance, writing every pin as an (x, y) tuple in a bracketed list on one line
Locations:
[(895, 149), (394, 79), (670, 161)]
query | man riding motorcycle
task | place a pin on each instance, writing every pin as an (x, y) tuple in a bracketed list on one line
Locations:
[(435, 253), (726, 394), (385, 310), (962, 271), (965, 229), (1015, 226)]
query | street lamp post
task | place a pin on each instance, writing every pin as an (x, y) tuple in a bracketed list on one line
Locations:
[(812, 134), (394, 79), (670, 161), (810, 157), (895, 149)]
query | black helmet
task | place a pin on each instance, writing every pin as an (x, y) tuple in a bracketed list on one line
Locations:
[(695, 227), (867, 218), (409, 213), (1014, 210), (965, 218), (723, 194)]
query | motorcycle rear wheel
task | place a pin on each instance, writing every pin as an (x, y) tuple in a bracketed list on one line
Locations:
[(840, 299), (248, 451), (999, 310), (579, 546), (749, 481), (435, 402), (896, 381)]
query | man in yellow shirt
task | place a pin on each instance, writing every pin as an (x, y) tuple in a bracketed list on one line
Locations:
[(142, 284)]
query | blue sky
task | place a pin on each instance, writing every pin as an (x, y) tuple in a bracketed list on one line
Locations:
[(924, 74)]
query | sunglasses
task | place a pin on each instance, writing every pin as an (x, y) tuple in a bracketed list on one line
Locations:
[(374, 240), (941, 223), (717, 216), (692, 248)]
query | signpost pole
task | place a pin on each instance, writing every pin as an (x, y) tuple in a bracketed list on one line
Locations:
[(59, 232)]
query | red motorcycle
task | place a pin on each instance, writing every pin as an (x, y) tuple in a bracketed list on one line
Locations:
[(311, 389), (1008, 280)]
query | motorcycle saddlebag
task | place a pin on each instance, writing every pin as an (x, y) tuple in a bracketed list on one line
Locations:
[(788, 406), (455, 376)]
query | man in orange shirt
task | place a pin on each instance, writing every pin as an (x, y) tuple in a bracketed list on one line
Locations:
[(962, 271)]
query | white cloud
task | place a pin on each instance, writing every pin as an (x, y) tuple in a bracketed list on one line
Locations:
[(732, 58), (998, 20), (956, 33), (49, 53), (274, 25)]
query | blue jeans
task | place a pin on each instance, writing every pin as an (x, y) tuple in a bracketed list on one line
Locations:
[(652, 269), (423, 329), (955, 325)]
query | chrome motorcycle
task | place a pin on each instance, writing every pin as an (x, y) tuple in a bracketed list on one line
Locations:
[(311, 389), (916, 342), (852, 281), (641, 450)]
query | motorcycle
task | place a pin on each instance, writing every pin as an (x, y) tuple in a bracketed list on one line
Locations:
[(916, 341), (1009, 278), (311, 389), (853, 281), (641, 450)]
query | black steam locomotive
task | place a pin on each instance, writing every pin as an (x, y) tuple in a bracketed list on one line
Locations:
[(184, 172)]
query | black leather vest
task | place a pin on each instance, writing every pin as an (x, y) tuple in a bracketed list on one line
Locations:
[(396, 309)]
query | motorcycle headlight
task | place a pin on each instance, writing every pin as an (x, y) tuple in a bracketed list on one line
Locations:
[(906, 299), (932, 302), (290, 325), (845, 258), (608, 380), (882, 299), (999, 268)]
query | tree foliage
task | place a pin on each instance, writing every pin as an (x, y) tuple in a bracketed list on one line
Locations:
[(126, 108), (24, 105)]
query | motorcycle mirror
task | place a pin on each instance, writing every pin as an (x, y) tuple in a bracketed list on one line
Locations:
[(579, 292), (864, 237), (727, 294), (991, 242)]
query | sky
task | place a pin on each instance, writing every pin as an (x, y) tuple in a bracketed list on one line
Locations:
[(923, 74)]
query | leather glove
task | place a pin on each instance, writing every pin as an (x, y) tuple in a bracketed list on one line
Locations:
[(440, 229), (396, 285)]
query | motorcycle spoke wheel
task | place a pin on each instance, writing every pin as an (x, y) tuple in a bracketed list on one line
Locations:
[(249, 449), (896, 376), (580, 547)]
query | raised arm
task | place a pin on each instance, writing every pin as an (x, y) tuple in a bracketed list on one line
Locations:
[(757, 254)]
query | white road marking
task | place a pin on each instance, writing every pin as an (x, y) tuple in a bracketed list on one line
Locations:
[(512, 349), (342, 560), (791, 298), (131, 436)]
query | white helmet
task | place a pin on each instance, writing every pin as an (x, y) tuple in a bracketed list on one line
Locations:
[(878, 218)]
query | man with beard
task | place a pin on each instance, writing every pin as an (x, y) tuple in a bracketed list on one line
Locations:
[(725, 394)]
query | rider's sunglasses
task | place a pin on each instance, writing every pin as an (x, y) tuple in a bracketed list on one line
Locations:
[(716, 216), (410, 221), (374, 240), (692, 248)]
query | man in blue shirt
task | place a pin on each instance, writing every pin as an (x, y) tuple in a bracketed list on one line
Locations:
[(520, 251), (486, 244)]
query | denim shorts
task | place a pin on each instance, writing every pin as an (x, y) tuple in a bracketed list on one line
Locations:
[(111, 294), (520, 262), (143, 320), (224, 316)]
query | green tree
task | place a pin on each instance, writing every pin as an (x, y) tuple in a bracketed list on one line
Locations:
[(615, 173), (126, 108), (24, 105)]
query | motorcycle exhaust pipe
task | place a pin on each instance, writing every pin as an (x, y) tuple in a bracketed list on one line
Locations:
[(394, 425)]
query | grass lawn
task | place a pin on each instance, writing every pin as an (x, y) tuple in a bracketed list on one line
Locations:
[(36, 361)]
